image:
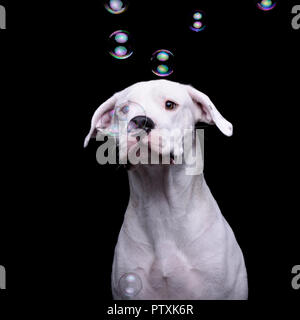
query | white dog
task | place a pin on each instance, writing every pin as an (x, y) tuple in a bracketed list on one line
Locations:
[(174, 237)]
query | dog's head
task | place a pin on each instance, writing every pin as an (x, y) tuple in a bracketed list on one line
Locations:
[(154, 111)]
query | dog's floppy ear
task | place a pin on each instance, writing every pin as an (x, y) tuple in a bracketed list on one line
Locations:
[(101, 118), (207, 112)]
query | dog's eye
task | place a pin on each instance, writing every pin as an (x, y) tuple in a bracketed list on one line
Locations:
[(170, 105)]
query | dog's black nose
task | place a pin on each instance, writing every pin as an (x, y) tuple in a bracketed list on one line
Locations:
[(143, 122)]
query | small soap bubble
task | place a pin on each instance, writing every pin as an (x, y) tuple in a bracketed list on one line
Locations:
[(162, 62), (115, 6), (110, 122), (120, 51), (162, 69), (197, 15), (130, 284), (197, 24), (120, 44), (121, 37), (162, 56), (197, 21), (266, 5)]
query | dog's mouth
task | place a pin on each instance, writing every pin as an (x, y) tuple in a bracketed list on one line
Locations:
[(161, 157), (149, 148)]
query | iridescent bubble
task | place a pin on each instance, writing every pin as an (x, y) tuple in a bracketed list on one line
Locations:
[(121, 115), (197, 24), (130, 284), (162, 69), (120, 51), (266, 5), (162, 63), (197, 21), (197, 15), (121, 37), (120, 44), (115, 6), (162, 56)]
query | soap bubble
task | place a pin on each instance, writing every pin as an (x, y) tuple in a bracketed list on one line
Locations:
[(130, 284), (115, 6), (120, 51), (121, 37), (197, 15), (266, 5), (162, 56), (197, 24), (162, 62), (197, 21), (110, 122), (120, 44)]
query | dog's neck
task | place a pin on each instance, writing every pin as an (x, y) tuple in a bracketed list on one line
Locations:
[(165, 205), (167, 185)]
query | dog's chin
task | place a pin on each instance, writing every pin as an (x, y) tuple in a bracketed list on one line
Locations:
[(148, 150), (151, 158)]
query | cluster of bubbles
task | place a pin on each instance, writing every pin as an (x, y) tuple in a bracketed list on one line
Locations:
[(198, 21), (266, 5), (120, 44), (121, 47), (130, 284), (162, 62), (115, 6)]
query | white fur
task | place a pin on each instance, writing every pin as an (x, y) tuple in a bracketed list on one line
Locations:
[(174, 235)]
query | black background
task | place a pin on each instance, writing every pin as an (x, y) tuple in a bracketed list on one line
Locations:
[(62, 211)]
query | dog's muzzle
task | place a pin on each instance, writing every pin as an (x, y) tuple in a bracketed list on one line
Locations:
[(142, 122)]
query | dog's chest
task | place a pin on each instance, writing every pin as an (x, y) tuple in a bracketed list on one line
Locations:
[(171, 271)]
